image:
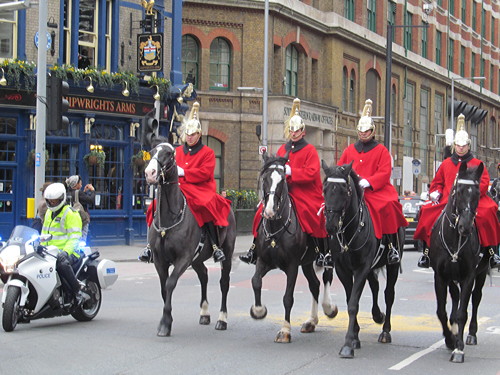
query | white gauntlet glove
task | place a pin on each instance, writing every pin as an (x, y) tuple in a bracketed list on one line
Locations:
[(364, 183), (435, 195), (180, 171), (288, 170)]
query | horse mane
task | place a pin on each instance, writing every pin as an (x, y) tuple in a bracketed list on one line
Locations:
[(356, 179), (157, 140)]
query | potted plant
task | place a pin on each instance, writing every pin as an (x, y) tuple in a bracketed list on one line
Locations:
[(95, 157), (244, 203), (141, 158)]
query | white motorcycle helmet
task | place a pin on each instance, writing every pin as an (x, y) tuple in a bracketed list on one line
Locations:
[(55, 191)]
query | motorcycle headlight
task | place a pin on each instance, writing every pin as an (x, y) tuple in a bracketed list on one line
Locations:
[(9, 258)]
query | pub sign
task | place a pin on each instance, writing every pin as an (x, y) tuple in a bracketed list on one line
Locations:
[(150, 52)]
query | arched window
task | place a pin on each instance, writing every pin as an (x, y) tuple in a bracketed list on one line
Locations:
[(190, 60), (216, 145), (345, 85), (372, 85), (220, 64), (291, 70), (352, 92)]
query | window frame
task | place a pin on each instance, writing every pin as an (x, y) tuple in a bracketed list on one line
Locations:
[(186, 40), (217, 64), (291, 70), (14, 25)]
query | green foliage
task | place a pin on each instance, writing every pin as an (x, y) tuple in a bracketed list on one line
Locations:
[(100, 158), (243, 198), (18, 72)]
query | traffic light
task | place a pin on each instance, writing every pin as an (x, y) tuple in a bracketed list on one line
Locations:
[(150, 129), (57, 104)]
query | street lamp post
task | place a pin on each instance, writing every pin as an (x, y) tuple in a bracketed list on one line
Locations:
[(266, 83), (453, 79)]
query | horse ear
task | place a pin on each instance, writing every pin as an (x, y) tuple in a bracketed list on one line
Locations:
[(324, 165), (463, 167), (349, 167), (265, 156), (479, 171)]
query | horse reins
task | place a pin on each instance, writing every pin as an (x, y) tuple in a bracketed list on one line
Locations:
[(360, 212), (456, 216)]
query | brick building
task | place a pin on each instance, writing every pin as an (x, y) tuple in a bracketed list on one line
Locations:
[(332, 55)]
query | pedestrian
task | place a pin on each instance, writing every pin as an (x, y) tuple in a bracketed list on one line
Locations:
[(304, 185), (487, 223), (373, 163), (86, 198), (41, 210)]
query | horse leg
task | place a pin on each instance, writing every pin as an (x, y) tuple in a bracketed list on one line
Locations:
[(202, 273), (258, 311), (377, 315), (455, 297), (389, 294), (440, 288), (310, 324), (457, 356), (284, 334), (477, 294), (329, 308), (225, 275)]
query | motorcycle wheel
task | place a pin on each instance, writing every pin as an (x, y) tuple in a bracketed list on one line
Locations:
[(89, 309), (11, 309)]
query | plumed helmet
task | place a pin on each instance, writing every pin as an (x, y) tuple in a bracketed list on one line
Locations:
[(365, 122), (55, 191), (192, 125), (461, 137), (295, 122)]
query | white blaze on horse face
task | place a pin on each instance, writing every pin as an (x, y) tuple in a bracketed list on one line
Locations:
[(151, 170), (275, 180)]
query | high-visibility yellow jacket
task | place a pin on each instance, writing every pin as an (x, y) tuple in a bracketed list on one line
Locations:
[(66, 229)]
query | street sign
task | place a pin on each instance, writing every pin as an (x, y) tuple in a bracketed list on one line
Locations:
[(415, 166), (49, 40), (262, 150)]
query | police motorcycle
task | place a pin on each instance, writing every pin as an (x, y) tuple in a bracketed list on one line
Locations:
[(34, 290)]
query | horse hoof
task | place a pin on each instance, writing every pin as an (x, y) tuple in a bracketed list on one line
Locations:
[(205, 320), (346, 352), (258, 312), (221, 325), (283, 338), (457, 356), (385, 338), (379, 319), (471, 340), (356, 344), (334, 312), (307, 327), (163, 332)]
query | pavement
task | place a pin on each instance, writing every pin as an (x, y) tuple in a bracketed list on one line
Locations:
[(125, 253)]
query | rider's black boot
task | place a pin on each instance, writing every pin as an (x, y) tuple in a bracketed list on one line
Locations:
[(218, 254), (249, 257), (424, 261), (393, 255), (146, 255), (494, 259)]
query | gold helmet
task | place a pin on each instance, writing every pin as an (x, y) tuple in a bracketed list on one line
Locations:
[(295, 122), (461, 137), (365, 122), (192, 125)]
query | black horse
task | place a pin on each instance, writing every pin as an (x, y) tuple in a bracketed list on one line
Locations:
[(454, 253), (282, 244), (176, 239), (357, 252)]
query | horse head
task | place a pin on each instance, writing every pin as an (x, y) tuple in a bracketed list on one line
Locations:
[(273, 184), (465, 197), (495, 190), (162, 165), (340, 189)]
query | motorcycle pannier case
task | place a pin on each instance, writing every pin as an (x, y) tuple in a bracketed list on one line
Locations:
[(106, 273)]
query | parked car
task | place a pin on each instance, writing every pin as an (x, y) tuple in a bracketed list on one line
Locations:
[(411, 208)]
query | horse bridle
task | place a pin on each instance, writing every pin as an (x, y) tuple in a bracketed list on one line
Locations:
[(279, 208), (455, 217), (164, 171), (344, 244)]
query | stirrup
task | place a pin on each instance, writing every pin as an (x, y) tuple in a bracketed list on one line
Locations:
[(249, 257), (393, 255), (320, 260), (494, 261), (146, 255), (424, 261), (218, 254)]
